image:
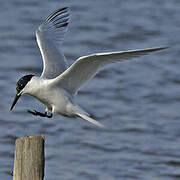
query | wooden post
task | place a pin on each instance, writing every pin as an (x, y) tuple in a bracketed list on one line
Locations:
[(29, 158)]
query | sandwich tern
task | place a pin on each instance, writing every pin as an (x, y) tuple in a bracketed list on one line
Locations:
[(58, 83)]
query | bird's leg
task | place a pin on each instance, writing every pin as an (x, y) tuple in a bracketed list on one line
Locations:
[(48, 116), (48, 110), (37, 113)]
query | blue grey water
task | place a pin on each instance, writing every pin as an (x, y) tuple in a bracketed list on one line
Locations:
[(138, 100)]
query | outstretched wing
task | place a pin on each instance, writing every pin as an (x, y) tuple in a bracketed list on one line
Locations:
[(50, 35), (86, 67)]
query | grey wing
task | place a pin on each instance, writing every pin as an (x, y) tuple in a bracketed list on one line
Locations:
[(50, 35), (86, 67)]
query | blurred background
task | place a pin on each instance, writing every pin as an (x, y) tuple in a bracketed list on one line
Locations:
[(138, 100)]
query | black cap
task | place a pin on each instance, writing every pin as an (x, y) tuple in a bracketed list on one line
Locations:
[(22, 82)]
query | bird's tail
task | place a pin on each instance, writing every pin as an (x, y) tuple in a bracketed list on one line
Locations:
[(91, 120), (78, 111)]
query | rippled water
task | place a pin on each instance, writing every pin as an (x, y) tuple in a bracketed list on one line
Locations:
[(137, 100)]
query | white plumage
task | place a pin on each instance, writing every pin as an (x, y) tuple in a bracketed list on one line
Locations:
[(59, 83)]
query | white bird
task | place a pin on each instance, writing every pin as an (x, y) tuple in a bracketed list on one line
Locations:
[(58, 83)]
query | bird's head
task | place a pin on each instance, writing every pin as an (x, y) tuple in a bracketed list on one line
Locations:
[(20, 88)]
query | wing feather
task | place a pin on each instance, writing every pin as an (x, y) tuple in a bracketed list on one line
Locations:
[(86, 67), (50, 35)]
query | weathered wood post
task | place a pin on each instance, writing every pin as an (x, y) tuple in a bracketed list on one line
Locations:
[(29, 158)]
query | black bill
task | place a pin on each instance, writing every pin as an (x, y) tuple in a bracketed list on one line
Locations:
[(15, 101)]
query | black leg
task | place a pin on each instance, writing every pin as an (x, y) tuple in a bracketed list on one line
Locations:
[(48, 116), (37, 113)]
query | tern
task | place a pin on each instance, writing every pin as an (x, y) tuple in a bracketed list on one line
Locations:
[(58, 84)]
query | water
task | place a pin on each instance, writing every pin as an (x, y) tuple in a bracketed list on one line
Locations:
[(137, 100)]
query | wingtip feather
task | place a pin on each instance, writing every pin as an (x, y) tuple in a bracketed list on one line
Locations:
[(161, 48), (55, 13)]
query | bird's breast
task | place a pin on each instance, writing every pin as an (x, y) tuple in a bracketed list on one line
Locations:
[(54, 98)]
